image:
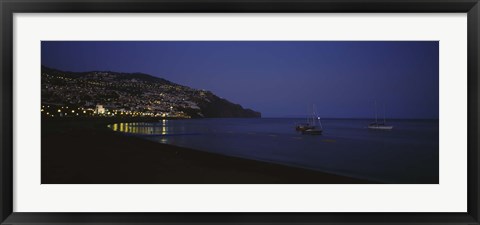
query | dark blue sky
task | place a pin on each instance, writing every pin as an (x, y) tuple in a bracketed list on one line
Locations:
[(278, 78)]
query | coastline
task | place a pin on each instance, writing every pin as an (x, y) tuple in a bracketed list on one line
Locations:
[(87, 152)]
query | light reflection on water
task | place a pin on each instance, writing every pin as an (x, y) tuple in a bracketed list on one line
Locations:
[(142, 128)]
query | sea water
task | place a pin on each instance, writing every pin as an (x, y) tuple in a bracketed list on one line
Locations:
[(409, 153)]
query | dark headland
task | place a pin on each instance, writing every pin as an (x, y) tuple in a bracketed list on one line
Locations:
[(87, 152)]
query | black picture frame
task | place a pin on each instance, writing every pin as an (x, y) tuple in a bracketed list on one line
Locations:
[(9, 7)]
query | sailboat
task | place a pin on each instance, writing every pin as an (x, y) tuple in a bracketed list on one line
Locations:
[(379, 126), (311, 127), (304, 126)]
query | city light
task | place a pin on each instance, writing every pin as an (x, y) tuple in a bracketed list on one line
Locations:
[(108, 112)]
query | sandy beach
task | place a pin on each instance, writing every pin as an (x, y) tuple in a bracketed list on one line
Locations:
[(87, 152)]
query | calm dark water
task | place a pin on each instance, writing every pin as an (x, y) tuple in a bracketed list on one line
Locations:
[(407, 154)]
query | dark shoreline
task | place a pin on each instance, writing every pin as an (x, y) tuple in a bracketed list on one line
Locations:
[(86, 152)]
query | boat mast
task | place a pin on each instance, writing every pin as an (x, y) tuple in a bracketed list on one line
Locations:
[(376, 120), (313, 115), (308, 117), (384, 120)]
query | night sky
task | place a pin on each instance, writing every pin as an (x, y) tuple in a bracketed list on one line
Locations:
[(278, 78)]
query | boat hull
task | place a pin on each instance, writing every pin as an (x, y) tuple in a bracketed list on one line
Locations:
[(380, 127), (312, 132), (303, 128)]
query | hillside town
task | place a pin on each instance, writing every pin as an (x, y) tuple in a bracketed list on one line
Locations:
[(111, 94)]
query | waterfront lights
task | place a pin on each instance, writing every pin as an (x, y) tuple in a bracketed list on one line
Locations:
[(59, 110)]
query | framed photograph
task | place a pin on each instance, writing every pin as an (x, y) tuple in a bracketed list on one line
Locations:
[(245, 112)]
